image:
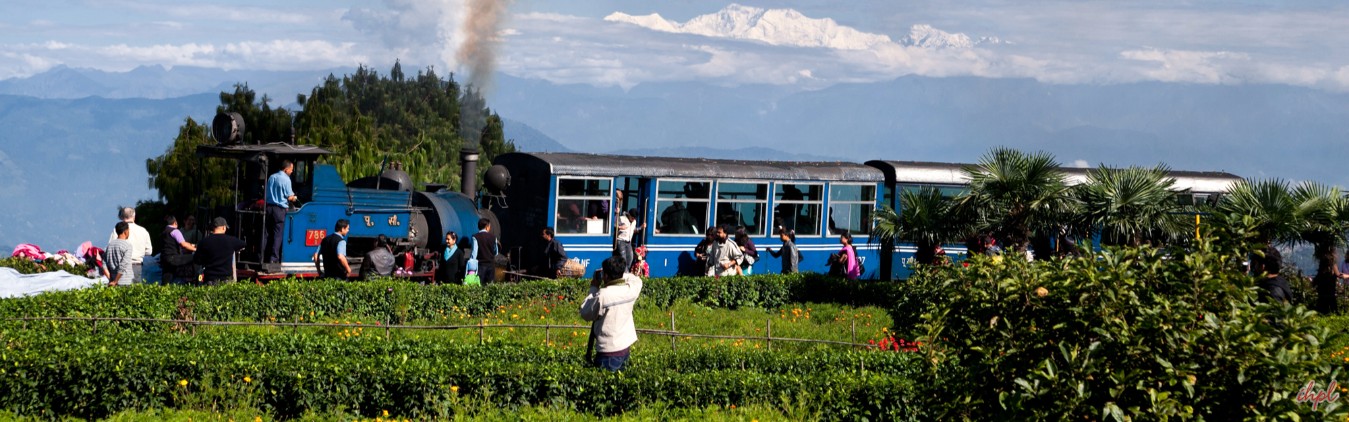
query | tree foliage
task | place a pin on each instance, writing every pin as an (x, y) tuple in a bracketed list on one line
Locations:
[(366, 119), (1131, 205), (1016, 193)]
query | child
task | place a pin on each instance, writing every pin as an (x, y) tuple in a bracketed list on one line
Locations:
[(639, 266)]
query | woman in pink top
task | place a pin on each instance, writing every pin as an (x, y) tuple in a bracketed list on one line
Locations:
[(848, 255)]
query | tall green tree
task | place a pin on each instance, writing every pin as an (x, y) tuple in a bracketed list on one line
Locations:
[(1131, 205), (926, 218), (366, 119), (1015, 194)]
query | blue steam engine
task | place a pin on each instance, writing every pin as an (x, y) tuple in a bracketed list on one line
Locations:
[(385, 204)]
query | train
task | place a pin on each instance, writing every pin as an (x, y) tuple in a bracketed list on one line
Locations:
[(576, 194)]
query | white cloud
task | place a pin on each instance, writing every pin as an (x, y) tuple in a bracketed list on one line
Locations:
[(22, 60), (1187, 66), (1079, 163)]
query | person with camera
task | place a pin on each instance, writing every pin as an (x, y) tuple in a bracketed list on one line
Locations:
[(608, 307)]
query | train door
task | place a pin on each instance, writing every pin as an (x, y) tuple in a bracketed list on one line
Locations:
[(630, 195)]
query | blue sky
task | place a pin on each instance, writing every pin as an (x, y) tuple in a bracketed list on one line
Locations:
[(1218, 42)]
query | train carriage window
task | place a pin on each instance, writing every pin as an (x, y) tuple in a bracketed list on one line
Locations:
[(583, 205), (682, 206), (850, 207), (799, 206), (743, 204)]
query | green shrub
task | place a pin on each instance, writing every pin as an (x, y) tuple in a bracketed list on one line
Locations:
[(1123, 334)]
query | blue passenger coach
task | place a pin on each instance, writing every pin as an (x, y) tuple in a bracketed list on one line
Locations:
[(677, 199)]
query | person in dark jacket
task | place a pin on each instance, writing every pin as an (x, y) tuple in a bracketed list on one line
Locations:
[(1267, 268), (554, 255), (379, 261), (332, 256), (487, 251), (451, 261), (216, 252), (175, 259)]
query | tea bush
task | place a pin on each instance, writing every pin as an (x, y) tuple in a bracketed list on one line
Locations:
[(62, 370), (400, 301), (1122, 334)]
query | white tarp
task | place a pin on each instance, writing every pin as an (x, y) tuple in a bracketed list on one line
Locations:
[(13, 284)]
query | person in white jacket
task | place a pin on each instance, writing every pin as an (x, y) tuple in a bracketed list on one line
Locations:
[(608, 307)]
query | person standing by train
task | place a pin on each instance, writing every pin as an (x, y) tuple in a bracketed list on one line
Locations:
[(791, 257), (487, 251), (450, 266), (279, 196), (176, 257), (554, 255), (215, 254), (749, 254), (724, 256), (332, 256), (140, 244), (704, 249), (119, 256), (623, 237), (846, 258)]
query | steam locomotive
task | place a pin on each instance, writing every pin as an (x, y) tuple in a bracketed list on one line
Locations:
[(383, 204)]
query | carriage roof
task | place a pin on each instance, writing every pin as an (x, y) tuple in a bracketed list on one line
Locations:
[(602, 165), (926, 172), (253, 152)]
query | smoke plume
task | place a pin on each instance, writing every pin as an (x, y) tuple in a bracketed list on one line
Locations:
[(478, 51)]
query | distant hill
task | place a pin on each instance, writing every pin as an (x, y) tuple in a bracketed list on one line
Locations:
[(68, 164), (527, 138), (156, 82)]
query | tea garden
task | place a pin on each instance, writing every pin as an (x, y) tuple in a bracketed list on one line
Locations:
[(1122, 334)]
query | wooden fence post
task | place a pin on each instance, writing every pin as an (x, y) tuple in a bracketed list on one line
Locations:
[(672, 329), (854, 333), (769, 334), (547, 334), (481, 323)]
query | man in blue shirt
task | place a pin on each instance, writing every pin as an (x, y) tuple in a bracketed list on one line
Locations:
[(279, 195)]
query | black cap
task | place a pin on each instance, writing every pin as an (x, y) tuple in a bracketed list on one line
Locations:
[(219, 222)]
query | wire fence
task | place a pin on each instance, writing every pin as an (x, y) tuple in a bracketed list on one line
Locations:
[(190, 325)]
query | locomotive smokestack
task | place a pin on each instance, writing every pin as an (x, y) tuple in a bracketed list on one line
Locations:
[(468, 157)]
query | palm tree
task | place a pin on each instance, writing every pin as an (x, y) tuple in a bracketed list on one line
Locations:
[(1277, 217), (1131, 205), (1311, 212), (1016, 193), (926, 218), (1323, 225)]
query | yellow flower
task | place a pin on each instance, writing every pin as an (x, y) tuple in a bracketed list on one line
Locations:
[(454, 389), (1041, 291), (257, 419), (386, 413), (182, 383), (247, 379)]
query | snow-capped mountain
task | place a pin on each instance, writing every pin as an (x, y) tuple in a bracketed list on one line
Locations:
[(925, 36), (772, 26)]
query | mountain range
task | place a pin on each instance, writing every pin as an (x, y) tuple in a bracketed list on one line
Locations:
[(788, 27), (72, 154)]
